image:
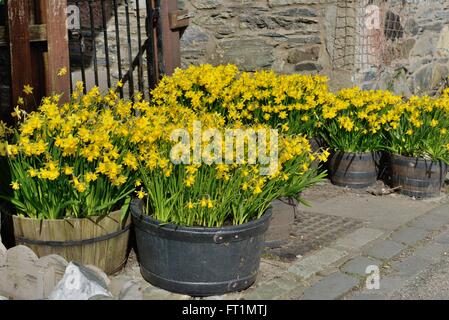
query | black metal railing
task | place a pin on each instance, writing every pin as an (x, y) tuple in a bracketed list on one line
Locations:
[(115, 41)]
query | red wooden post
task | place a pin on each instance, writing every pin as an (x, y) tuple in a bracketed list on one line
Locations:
[(19, 38), (58, 48), (171, 48)]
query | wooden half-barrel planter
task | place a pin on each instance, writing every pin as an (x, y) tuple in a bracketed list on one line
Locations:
[(417, 177), (353, 170), (99, 241)]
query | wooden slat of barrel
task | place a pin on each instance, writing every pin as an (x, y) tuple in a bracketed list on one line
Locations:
[(107, 254), (353, 170), (417, 177)]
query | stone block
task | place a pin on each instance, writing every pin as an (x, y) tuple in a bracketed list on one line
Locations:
[(310, 265), (409, 235), (330, 287), (385, 249), (358, 265)]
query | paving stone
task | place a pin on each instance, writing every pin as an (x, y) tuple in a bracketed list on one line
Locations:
[(443, 237), (387, 213), (411, 266), (409, 235), (286, 281), (430, 221), (358, 265), (359, 238), (310, 265), (293, 294), (441, 211), (153, 293), (367, 296), (432, 251), (228, 296), (387, 285), (331, 287), (385, 249), (390, 284), (266, 291)]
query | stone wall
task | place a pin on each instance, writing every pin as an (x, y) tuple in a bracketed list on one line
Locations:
[(328, 37), (285, 35), (417, 62), (295, 36)]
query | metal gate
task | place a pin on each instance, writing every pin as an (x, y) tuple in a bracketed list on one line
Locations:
[(122, 44)]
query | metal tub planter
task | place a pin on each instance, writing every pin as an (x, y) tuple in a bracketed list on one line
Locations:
[(199, 261)]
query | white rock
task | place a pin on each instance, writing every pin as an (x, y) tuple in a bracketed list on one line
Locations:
[(79, 283), (3, 298)]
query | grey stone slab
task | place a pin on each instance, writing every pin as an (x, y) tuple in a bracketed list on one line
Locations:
[(358, 238), (358, 265), (367, 296), (443, 237), (153, 293), (441, 210), (432, 251), (310, 265), (387, 285), (387, 213), (385, 249), (331, 287), (411, 266), (286, 281), (430, 221), (390, 284), (409, 235), (267, 291), (432, 284)]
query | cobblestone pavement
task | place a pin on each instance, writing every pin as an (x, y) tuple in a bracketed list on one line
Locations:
[(406, 239)]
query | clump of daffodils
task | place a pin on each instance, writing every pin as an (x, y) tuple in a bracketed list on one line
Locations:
[(419, 127), (291, 103), (354, 120), (215, 191), (73, 159), (91, 155)]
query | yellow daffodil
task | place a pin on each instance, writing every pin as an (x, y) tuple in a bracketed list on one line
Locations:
[(62, 72), (27, 89), (15, 185)]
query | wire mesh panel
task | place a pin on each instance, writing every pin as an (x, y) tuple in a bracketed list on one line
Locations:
[(344, 35), (369, 34), (379, 28)]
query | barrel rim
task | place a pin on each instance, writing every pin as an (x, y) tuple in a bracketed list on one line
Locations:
[(140, 218), (394, 156), (95, 218), (125, 227), (369, 153)]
